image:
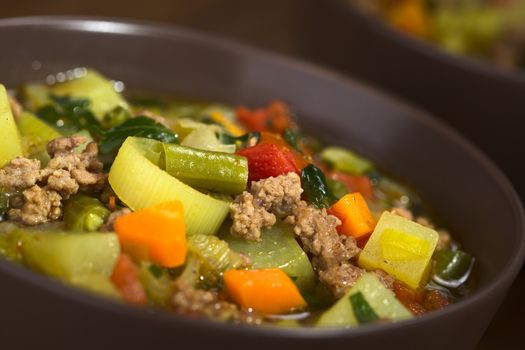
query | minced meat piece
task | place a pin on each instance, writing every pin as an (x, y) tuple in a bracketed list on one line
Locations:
[(40, 206), (208, 304), (444, 240), (332, 252), (43, 189), (340, 278), (249, 218), (385, 278), (278, 195), (20, 173), (403, 212)]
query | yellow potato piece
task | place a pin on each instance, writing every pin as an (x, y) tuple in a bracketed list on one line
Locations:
[(10, 144), (400, 247)]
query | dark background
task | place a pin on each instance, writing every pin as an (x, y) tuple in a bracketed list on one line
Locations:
[(296, 28)]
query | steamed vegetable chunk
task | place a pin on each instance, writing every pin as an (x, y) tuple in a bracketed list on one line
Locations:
[(10, 144), (211, 211), (401, 248), (69, 255), (380, 299)]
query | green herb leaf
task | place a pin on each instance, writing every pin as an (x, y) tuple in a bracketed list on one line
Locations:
[(251, 138), (315, 187), (139, 127), (70, 115), (155, 270), (362, 310), (291, 137)]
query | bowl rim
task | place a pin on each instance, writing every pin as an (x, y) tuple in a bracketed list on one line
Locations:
[(433, 51), (105, 25)]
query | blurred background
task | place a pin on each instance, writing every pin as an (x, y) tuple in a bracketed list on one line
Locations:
[(463, 61)]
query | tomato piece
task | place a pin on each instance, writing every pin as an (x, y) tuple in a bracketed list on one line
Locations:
[(275, 117), (268, 159), (355, 183), (125, 279)]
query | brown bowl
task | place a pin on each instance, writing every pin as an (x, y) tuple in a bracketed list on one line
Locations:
[(465, 188)]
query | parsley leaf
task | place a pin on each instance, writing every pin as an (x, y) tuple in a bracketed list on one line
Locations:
[(140, 127)]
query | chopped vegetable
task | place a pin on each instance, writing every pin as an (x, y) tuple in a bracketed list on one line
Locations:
[(268, 291), (452, 268), (315, 187), (380, 300), (285, 145), (125, 277), (357, 221), (345, 160), (363, 312), (275, 117), (138, 127), (355, 183), (10, 143), (140, 183), (401, 248), (69, 255), (213, 171), (205, 138), (277, 249), (157, 284), (99, 285), (35, 136), (84, 213), (156, 233), (266, 159), (215, 256), (94, 87), (219, 117), (35, 96)]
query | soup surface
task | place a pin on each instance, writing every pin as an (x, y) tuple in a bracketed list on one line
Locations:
[(212, 211)]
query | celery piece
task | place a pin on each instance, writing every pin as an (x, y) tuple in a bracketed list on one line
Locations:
[(363, 312), (10, 143), (97, 284), (206, 139), (345, 160), (94, 87), (35, 96), (401, 248), (139, 182), (215, 256), (158, 286), (35, 135), (69, 255), (277, 249), (212, 171), (84, 213), (380, 299)]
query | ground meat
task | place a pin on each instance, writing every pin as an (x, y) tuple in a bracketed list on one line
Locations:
[(249, 218), (403, 212), (20, 173), (256, 210), (340, 278), (207, 304), (40, 206), (385, 278), (110, 222), (278, 195), (332, 253), (444, 240), (64, 175)]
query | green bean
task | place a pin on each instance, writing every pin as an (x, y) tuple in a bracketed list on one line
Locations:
[(84, 213), (212, 171)]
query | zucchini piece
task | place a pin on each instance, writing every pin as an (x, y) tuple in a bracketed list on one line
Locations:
[(94, 87), (380, 299), (346, 160), (213, 171), (69, 256), (277, 249), (35, 135), (35, 96), (362, 310), (140, 183), (10, 143)]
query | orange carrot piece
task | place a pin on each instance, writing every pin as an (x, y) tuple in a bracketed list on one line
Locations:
[(125, 278), (157, 233), (352, 210), (268, 291)]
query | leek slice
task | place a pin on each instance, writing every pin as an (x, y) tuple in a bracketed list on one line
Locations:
[(140, 183), (35, 135), (10, 143), (94, 87)]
